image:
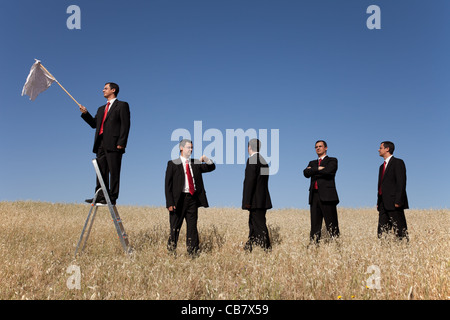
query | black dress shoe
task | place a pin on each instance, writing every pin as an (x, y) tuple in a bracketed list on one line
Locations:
[(99, 201)]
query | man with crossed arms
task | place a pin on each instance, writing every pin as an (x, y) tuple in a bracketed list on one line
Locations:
[(323, 197)]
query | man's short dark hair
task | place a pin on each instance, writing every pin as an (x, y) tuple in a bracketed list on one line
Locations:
[(390, 145), (324, 143), (113, 85), (255, 144)]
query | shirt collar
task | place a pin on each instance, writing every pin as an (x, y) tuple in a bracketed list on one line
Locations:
[(111, 101), (388, 159), (183, 159)]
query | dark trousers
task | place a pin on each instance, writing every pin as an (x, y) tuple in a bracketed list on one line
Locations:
[(258, 231), (109, 163), (391, 220), (322, 210), (186, 209)]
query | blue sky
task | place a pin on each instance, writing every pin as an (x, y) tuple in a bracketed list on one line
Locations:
[(309, 69)]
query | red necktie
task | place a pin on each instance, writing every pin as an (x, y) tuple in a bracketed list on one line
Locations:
[(315, 183), (382, 176), (104, 117), (190, 180)]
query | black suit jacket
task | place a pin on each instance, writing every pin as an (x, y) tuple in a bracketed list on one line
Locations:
[(175, 181), (325, 179), (256, 184), (115, 128), (393, 185)]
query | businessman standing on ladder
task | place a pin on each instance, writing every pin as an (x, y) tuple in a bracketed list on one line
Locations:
[(112, 124)]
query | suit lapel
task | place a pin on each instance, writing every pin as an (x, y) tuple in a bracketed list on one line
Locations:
[(194, 169), (178, 164), (180, 168), (111, 108), (380, 173), (390, 164), (179, 172), (324, 160)]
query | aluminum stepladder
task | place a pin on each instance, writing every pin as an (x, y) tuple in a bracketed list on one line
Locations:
[(123, 237)]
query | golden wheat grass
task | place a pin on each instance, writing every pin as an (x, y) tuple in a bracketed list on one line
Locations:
[(38, 242)]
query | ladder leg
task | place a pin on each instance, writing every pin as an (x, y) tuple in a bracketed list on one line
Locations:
[(123, 237), (84, 229), (89, 230), (86, 223)]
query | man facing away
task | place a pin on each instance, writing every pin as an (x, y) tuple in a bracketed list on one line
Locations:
[(185, 193), (112, 126), (323, 197), (392, 199), (256, 197)]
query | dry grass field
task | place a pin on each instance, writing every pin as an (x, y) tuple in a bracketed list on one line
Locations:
[(38, 242)]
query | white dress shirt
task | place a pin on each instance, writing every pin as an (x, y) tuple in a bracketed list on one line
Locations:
[(186, 183), (387, 160), (110, 104)]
